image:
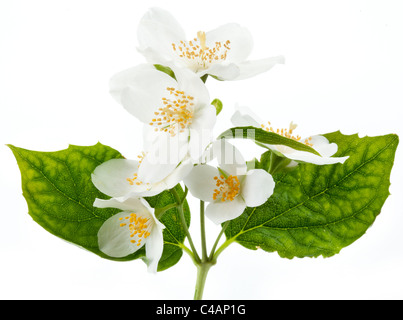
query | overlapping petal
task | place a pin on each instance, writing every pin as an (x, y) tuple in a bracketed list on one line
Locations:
[(222, 52), (230, 188), (121, 178), (140, 89), (245, 117), (257, 187), (129, 230), (176, 113)]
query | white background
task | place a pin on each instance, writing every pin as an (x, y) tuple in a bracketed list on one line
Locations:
[(343, 70)]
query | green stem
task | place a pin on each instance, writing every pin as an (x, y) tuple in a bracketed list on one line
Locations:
[(218, 239), (184, 194), (203, 265), (159, 212), (189, 252), (221, 248), (207, 262), (184, 224), (203, 232), (202, 271)]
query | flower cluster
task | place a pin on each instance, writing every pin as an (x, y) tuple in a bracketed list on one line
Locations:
[(169, 96)]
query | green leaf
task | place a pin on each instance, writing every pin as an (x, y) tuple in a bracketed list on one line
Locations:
[(318, 210), (60, 195), (264, 137)]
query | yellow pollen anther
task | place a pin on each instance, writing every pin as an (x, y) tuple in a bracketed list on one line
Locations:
[(138, 226), (227, 188), (287, 133), (198, 52), (175, 115), (135, 180)]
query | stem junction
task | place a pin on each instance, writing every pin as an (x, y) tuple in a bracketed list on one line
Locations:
[(206, 261)]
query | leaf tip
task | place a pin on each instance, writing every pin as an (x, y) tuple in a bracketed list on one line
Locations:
[(10, 146)]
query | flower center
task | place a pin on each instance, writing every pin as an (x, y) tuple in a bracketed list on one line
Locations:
[(228, 188), (196, 51), (287, 132), (176, 114), (138, 226)]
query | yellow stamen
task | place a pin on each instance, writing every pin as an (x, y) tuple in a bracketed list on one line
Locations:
[(198, 52), (287, 132), (138, 227), (135, 180), (176, 114), (228, 188)]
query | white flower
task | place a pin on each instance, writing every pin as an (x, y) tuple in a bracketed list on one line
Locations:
[(126, 232), (177, 114), (221, 52), (231, 188), (245, 117), (122, 178)]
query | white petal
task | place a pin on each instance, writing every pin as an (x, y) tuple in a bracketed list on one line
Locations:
[(174, 176), (219, 212), (244, 117), (111, 177), (140, 90), (153, 170), (241, 41), (192, 85), (322, 145), (180, 172), (154, 248), (249, 69), (201, 130), (156, 32), (153, 140), (162, 148), (200, 182), (128, 204), (314, 159), (154, 56), (222, 71), (257, 187), (229, 158), (114, 238)]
